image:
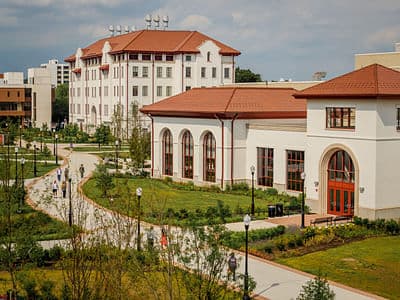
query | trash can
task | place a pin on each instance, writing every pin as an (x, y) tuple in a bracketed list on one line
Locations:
[(271, 211), (279, 210)]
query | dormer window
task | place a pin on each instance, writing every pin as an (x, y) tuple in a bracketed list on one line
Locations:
[(341, 117)]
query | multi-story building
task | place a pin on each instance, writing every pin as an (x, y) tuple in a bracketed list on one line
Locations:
[(29, 103), (142, 67), (387, 59), (59, 73)]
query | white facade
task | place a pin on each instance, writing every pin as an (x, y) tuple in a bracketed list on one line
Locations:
[(59, 73)]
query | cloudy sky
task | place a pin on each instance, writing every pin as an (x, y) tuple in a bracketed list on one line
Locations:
[(277, 38)]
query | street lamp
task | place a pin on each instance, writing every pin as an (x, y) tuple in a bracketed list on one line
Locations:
[(138, 194), (54, 142), (303, 177), (116, 155), (252, 170), (246, 221), (34, 160), (41, 139), (16, 166), (20, 135), (56, 149), (70, 203), (23, 186)]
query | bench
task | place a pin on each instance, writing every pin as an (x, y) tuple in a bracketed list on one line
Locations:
[(327, 220), (342, 218)]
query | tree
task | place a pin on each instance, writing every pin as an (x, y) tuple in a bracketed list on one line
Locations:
[(246, 75), (316, 289), (103, 179), (60, 108), (103, 135)]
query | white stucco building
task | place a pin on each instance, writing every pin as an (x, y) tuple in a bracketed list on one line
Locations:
[(142, 67), (343, 134), (59, 73)]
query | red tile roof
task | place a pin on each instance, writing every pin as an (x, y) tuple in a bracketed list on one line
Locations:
[(227, 102), (1, 76), (154, 41), (371, 81)]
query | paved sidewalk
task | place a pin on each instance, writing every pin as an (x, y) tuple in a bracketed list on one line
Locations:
[(273, 281)]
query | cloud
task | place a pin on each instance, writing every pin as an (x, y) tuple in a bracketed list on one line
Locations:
[(7, 17), (196, 21), (383, 37)]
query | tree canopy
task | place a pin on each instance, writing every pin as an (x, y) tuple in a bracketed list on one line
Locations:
[(60, 107), (246, 75)]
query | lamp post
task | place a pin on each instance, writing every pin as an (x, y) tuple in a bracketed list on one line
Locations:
[(16, 166), (23, 186), (246, 221), (303, 177), (41, 139), (34, 160), (139, 195), (54, 142), (20, 135), (252, 170), (56, 150), (70, 203), (116, 155)]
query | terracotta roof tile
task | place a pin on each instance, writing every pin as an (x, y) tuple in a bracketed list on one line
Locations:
[(245, 102), (371, 81), (165, 41)]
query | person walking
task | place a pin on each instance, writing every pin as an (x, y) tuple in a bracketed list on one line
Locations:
[(66, 173), (82, 170), (164, 240), (150, 238), (64, 188), (232, 265), (55, 188), (59, 174)]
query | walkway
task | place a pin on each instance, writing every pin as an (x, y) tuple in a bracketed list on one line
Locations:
[(273, 281)]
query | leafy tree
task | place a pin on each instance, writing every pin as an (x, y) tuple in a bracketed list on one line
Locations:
[(316, 289), (246, 75), (103, 179), (60, 108), (103, 135)]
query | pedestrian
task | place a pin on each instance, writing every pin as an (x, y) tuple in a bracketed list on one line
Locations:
[(59, 174), (64, 188), (82, 170), (66, 173), (150, 238), (55, 188), (232, 265), (164, 240)]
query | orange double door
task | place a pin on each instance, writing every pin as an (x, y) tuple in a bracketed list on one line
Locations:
[(340, 198)]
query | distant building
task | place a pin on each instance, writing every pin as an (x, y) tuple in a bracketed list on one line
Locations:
[(59, 73), (387, 59), (142, 67), (29, 103)]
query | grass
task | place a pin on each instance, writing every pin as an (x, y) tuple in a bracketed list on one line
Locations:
[(159, 197), (41, 169), (95, 148), (371, 265)]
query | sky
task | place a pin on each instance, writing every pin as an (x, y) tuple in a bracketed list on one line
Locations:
[(288, 39)]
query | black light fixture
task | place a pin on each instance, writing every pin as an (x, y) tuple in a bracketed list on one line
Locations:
[(56, 150), (116, 155), (303, 177), (21, 198), (34, 160), (16, 166), (70, 202), (246, 221), (139, 195), (252, 170), (54, 142)]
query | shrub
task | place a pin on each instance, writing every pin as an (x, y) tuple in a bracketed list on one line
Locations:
[(240, 187), (316, 289), (271, 192), (392, 227)]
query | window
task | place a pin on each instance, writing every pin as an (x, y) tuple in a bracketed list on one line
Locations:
[(86, 109), (265, 166), (203, 72), (168, 91), (146, 56), (105, 110), (169, 72), (122, 72), (167, 153), (145, 90), (214, 72), (188, 87), (100, 91), (341, 117), (295, 166), (169, 57), (226, 73), (398, 119), (78, 108), (159, 72), (134, 56), (159, 91), (8, 94), (209, 152), (78, 91), (187, 155), (135, 90), (158, 57), (188, 58), (208, 56), (188, 72), (341, 168), (145, 72), (135, 71), (106, 91)]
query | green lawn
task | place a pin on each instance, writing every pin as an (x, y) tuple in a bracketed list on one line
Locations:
[(41, 169), (95, 147), (371, 265)]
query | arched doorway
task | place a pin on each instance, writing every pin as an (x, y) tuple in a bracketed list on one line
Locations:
[(341, 182)]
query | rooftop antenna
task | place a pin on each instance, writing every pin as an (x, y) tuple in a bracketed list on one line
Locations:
[(133, 28), (165, 21), (111, 29), (148, 21), (156, 20), (126, 29), (119, 29)]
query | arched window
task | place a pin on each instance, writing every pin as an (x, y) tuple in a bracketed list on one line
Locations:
[(187, 155), (208, 56), (209, 151), (167, 153), (341, 167)]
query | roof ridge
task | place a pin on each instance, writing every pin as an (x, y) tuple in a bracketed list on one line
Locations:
[(134, 38), (185, 40), (375, 70), (230, 99)]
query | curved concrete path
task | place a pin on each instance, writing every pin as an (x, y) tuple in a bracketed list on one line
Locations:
[(273, 281)]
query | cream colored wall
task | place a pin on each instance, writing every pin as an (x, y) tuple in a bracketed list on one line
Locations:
[(388, 59)]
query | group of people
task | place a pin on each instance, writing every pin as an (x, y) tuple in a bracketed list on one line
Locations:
[(64, 182)]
